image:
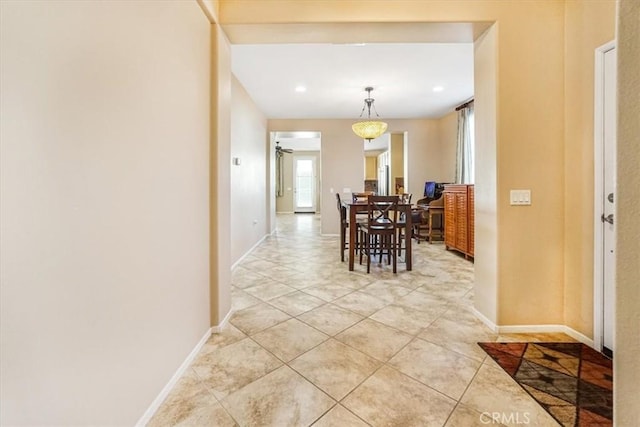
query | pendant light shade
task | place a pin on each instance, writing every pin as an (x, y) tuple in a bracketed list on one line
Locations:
[(369, 129)]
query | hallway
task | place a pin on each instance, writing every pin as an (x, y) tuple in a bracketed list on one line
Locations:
[(310, 343)]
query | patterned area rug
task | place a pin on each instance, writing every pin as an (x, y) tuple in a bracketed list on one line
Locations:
[(571, 381)]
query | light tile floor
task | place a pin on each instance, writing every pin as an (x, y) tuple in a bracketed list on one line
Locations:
[(311, 343)]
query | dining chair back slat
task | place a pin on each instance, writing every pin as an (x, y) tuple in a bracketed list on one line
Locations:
[(379, 233), (361, 196), (383, 210)]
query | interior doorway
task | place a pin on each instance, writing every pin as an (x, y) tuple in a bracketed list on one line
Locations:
[(297, 166), (304, 184), (605, 198)]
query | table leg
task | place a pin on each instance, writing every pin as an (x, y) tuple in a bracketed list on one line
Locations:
[(352, 236), (407, 236)]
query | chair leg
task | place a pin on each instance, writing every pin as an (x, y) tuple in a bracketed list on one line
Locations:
[(343, 232), (368, 253), (372, 244), (395, 258)]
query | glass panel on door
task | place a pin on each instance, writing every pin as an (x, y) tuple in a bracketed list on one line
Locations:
[(305, 185)]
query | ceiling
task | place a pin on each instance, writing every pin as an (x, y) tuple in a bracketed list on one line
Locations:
[(402, 62), (334, 76)]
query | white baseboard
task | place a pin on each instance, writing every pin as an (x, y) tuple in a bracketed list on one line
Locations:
[(532, 329), (579, 336), (485, 320), (246, 254), (220, 327), (146, 417)]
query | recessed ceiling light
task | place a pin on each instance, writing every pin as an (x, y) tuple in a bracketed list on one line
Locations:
[(438, 88), (301, 89)]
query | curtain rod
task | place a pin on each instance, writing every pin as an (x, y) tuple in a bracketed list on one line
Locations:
[(466, 104)]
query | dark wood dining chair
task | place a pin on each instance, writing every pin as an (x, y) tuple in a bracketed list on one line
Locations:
[(344, 224), (379, 232), (430, 223), (405, 199), (361, 196)]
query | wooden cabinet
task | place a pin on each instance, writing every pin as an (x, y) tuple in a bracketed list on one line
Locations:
[(471, 206), (459, 218)]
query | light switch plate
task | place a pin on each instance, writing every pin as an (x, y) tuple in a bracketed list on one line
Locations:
[(520, 197)]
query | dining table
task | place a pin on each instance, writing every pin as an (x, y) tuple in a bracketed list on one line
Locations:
[(360, 207)]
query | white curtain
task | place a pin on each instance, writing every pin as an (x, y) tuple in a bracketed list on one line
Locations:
[(465, 154), (279, 175)]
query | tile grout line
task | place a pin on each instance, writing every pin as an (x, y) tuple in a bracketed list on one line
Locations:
[(338, 282)]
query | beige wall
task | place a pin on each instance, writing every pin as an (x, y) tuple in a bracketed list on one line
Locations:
[(396, 154), (626, 368), (220, 177), (104, 229), (486, 288), (371, 167), (588, 24), (448, 139), (530, 90), (284, 203), (422, 153), (211, 9), (248, 191)]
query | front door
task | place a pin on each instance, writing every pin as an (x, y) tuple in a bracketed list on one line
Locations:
[(304, 184), (605, 199), (608, 198)]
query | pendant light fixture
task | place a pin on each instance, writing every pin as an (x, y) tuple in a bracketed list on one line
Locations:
[(369, 129)]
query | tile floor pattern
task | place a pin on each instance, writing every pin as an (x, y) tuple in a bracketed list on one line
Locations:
[(311, 343)]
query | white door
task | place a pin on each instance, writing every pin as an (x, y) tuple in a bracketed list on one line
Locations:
[(304, 184), (383, 174), (604, 255), (608, 198)]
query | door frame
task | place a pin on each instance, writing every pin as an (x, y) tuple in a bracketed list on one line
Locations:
[(598, 189), (314, 162)]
